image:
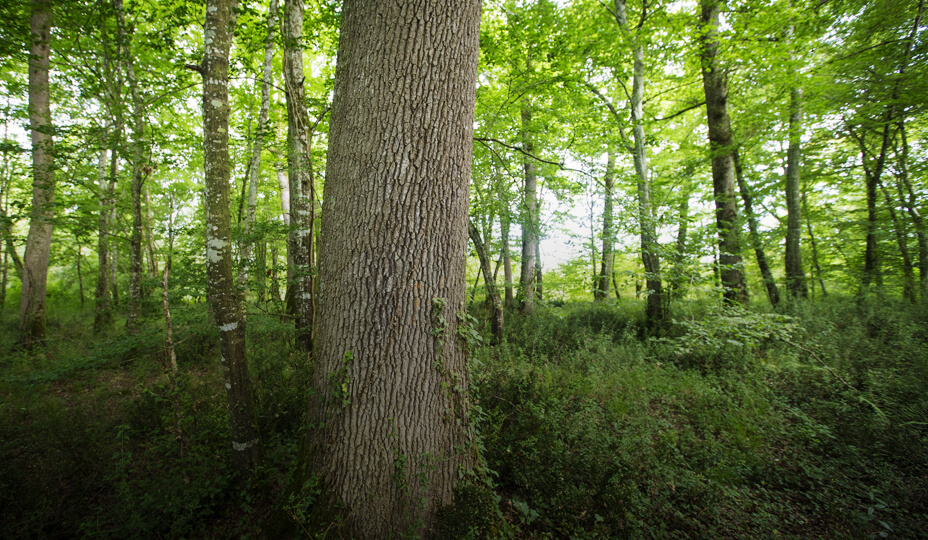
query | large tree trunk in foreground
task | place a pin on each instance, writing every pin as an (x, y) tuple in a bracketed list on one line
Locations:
[(731, 268), (39, 241), (390, 435), (221, 290)]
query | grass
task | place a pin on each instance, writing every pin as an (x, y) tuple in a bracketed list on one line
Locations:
[(735, 424)]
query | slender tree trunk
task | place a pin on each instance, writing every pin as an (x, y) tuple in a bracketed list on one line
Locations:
[(275, 284), (770, 284), (907, 195), (103, 308), (221, 291), (527, 283), (601, 291), (507, 259), (302, 190), (80, 276), (731, 268), (38, 242), (390, 430), (149, 236), (677, 289), (9, 248), (492, 291), (649, 246), (254, 166), (795, 276), (539, 275), (115, 268), (908, 273), (814, 246), (138, 175)]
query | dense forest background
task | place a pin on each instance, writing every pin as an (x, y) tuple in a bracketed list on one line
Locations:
[(697, 270)]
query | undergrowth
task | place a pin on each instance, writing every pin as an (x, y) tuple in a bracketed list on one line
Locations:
[(806, 423)]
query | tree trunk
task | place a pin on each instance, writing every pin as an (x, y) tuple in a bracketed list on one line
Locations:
[(677, 289), (770, 284), (492, 291), (812, 244), (103, 308), (731, 268), (302, 190), (908, 274), (80, 277), (601, 290), (795, 275), (138, 175), (389, 409), (527, 275), (39, 240), (504, 221), (221, 290), (907, 195), (254, 166)]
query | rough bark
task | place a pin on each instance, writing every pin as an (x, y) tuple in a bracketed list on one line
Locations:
[(390, 432), (497, 318), (38, 242), (770, 284), (529, 217), (795, 275), (731, 268), (302, 190), (604, 280), (254, 166), (221, 290)]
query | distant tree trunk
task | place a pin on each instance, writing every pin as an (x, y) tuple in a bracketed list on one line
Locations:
[(138, 174), (149, 236), (872, 173), (731, 268), (9, 249), (507, 259), (389, 406), (115, 268), (38, 242), (539, 275), (773, 294), (527, 283), (907, 196), (908, 274), (812, 243), (80, 276), (103, 308), (795, 275), (649, 246), (221, 291), (677, 290), (275, 284), (492, 292), (601, 290), (261, 272), (302, 190), (254, 166)]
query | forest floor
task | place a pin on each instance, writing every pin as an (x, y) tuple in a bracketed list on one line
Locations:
[(806, 423)]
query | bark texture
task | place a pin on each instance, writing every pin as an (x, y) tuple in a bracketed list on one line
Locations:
[(223, 296), (731, 268), (39, 240), (604, 280), (389, 428)]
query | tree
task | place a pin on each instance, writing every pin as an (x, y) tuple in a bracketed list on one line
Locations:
[(38, 243), (388, 411), (302, 190), (722, 152), (221, 290)]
